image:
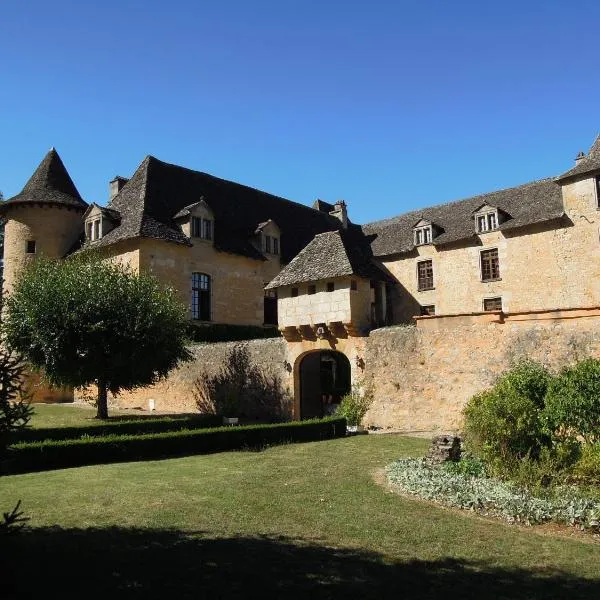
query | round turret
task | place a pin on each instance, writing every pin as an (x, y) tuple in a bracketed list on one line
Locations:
[(43, 220)]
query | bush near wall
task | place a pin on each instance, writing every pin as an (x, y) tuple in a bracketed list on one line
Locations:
[(219, 332), (138, 426), (58, 454)]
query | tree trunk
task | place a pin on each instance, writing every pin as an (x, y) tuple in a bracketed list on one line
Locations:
[(102, 400)]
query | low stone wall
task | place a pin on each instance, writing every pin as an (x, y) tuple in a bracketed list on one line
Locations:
[(177, 392), (423, 378)]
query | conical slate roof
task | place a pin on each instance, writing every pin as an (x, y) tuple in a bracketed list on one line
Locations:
[(589, 164), (50, 184)]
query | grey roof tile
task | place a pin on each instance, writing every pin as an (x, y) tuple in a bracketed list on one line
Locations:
[(332, 254), (534, 202), (49, 184), (158, 193), (590, 164)]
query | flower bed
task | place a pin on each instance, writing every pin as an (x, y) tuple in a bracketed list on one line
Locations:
[(488, 496)]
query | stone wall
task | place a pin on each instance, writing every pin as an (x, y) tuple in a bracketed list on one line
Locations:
[(421, 378), (177, 392)]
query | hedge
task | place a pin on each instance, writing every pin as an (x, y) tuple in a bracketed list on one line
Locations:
[(221, 332), (59, 454), (121, 427)]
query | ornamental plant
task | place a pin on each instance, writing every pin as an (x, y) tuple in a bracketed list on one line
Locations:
[(505, 424), (573, 402), (354, 406), (87, 321)]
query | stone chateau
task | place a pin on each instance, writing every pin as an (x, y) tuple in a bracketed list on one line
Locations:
[(239, 256)]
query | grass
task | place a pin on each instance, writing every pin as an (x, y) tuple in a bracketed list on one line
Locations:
[(291, 521), (67, 415)]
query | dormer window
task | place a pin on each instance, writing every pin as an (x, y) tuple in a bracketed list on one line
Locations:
[(487, 222), (267, 238), (93, 230), (202, 228), (423, 233)]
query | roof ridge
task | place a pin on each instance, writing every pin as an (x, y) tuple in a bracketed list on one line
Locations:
[(418, 211)]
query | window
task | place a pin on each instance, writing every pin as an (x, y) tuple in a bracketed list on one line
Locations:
[(598, 191), (490, 304), (88, 230), (270, 307), (30, 247), (207, 229), (425, 275), (330, 286), (487, 222), (428, 311), (294, 292), (353, 285), (490, 266), (422, 235), (201, 296), (201, 228), (312, 289), (268, 244), (275, 246), (96, 235)]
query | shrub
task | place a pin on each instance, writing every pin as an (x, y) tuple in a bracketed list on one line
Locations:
[(573, 402), (241, 386), (587, 468), (504, 424), (354, 406), (116, 426), (58, 454)]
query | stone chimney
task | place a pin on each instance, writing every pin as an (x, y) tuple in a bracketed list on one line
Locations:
[(340, 212), (116, 185), (579, 157)]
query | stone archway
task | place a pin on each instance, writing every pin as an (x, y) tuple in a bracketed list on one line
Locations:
[(323, 377)]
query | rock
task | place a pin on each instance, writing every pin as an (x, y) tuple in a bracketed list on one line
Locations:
[(444, 448)]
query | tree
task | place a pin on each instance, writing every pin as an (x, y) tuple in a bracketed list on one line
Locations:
[(84, 321)]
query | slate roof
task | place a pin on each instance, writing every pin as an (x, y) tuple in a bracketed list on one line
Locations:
[(149, 202), (50, 184), (332, 254), (587, 165), (528, 204)]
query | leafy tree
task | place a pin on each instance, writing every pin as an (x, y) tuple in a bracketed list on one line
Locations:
[(85, 321)]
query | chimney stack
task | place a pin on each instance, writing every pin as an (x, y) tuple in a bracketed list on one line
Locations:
[(116, 185), (340, 211), (579, 157)]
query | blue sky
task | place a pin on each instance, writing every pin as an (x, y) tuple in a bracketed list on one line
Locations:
[(389, 105)]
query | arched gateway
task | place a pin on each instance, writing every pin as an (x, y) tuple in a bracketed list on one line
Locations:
[(324, 377)]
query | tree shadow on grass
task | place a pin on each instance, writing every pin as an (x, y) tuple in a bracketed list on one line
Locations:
[(137, 563)]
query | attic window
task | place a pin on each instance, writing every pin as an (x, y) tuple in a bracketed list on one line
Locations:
[(270, 244), (93, 230), (487, 221), (422, 235), (202, 228)]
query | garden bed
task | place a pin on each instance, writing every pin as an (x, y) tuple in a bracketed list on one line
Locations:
[(464, 485)]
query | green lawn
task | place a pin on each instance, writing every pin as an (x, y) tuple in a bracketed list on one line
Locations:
[(68, 415), (289, 522)]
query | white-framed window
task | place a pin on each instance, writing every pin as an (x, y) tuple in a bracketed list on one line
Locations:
[(202, 228), (422, 235), (93, 230), (487, 222)]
